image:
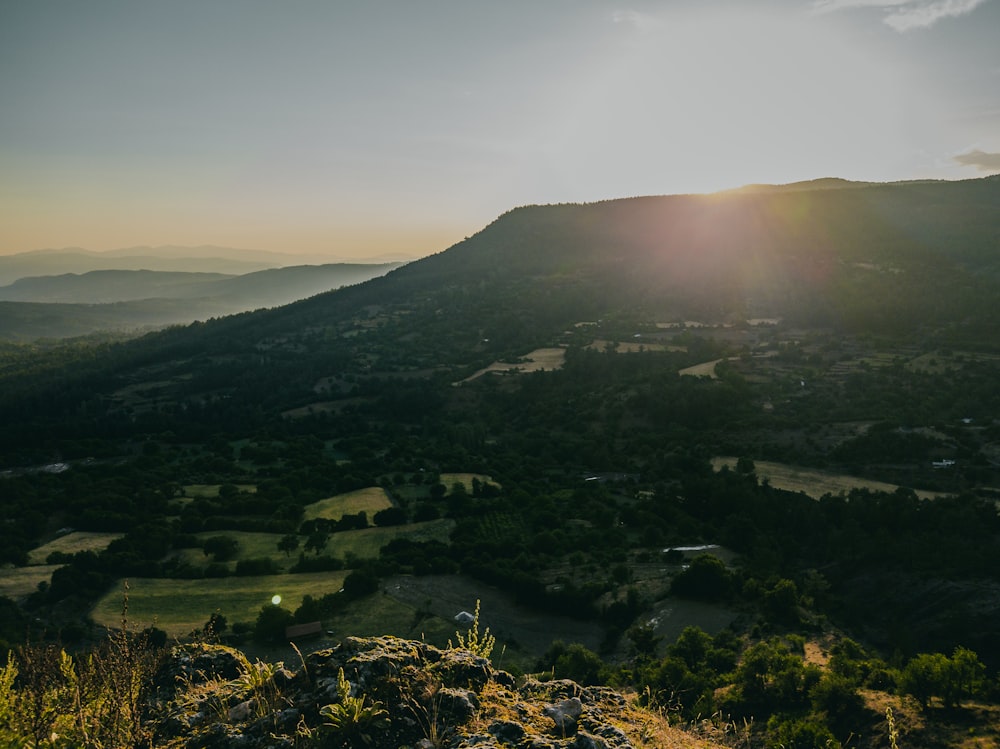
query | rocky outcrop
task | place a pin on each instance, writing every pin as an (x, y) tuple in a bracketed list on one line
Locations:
[(384, 693)]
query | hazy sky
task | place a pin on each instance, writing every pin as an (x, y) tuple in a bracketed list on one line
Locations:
[(361, 128)]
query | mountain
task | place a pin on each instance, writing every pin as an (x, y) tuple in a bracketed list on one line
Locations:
[(122, 300), (54, 262), (202, 259), (270, 287)]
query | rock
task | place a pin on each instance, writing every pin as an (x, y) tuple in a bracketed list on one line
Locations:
[(507, 732), (565, 714), (402, 690), (457, 704)]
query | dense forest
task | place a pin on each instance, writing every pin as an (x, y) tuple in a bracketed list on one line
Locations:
[(853, 331)]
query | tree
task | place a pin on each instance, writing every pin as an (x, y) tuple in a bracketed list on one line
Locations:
[(705, 579), (579, 664), (271, 623), (360, 583), (317, 541), (221, 548), (390, 516), (288, 544), (923, 676)]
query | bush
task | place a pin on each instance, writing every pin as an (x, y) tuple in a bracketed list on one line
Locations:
[(707, 579), (271, 623)]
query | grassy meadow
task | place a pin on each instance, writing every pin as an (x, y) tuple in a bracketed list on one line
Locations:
[(705, 369), (71, 543), (465, 479), (370, 500), (16, 582), (181, 606), (363, 544), (812, 482), (539, 360)]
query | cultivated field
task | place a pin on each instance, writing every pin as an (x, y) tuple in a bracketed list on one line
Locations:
[(23, 581), (181, 606), (814, 483), (71, 543), (705, 369), (370, 499), (465, 479), (539, 360)]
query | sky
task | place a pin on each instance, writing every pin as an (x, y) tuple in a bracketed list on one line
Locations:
[(355, 130)]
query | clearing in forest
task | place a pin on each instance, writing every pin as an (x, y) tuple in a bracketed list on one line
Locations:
[(182, 606), (539, 360), (465, 479), (814, 483), (370, 500), (362, 544), (71, 543), (16, 582)]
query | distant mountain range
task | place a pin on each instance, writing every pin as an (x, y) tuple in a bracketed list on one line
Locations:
[(130, 300), (201, 259)]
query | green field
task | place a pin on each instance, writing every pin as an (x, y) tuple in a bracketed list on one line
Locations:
[(370, 499), (814, 483), (71, 543), (364, 544), (23, 581), (465, 479), (181, 606)]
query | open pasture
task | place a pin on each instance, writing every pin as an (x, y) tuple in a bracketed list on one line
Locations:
[(71, 543), (181, 606), (16, 582), (465, 479), (705, 369), (363, 544), (370, 500), (539, 360), (812, 482)]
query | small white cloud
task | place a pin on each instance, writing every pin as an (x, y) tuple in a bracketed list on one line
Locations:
[(635, 19), (984, 162), (905, 15)]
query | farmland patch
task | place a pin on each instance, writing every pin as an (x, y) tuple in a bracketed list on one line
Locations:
[(814, 483), (181, 606), (370, 500), (539, 360), (16, 582), (71, 543)]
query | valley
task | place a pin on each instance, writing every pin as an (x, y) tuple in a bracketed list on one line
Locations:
[(543, 418)]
